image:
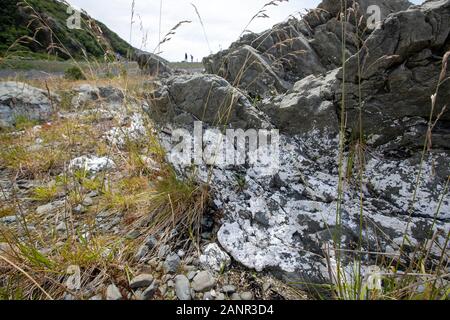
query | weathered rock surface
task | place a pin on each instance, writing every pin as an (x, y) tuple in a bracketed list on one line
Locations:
[(21, 100), (285, 221), (209, 98), (152, 64), (270, 62)]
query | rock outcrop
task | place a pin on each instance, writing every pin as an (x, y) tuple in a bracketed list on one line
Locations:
[(19, 100), (272, 61), (152, 64), (208, 98), (286, 221)]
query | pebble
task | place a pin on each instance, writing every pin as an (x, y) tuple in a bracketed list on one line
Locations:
[(220, 297), (113, 293), (182, 288), (214, 258), (163, 289), (141, 281), (87, 202), (172, 263), (96, 297), (191, 275), (8, 219), (79, 209), (133, 235), (247, 296), (208, 296), (229, 289), (203, 281), (61, 227), (235, 296), (141, 253), (149, 292)]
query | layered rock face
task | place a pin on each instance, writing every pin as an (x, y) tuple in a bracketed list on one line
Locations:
[(19, 100), (380, 101), (272, 61)]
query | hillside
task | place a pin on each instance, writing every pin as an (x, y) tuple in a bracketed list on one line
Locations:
[(34, 28)]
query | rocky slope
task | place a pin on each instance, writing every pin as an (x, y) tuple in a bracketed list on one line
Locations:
[(361, 173), (284, 222)]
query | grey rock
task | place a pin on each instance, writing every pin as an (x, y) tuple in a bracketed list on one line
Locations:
[(182, 287), (8, 219), (236, 296), (214, 258), (203, 281), (247, 296), (141, 281), (92, 164), (151, 64), (149, 293), (208, 296), (206, 98), (191, 275), (113, 293), (220, 297), (21, 100), (87, 202), (172, 263), (229, 289)]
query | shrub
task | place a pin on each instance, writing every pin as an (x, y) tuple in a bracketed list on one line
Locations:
[(74, 73)]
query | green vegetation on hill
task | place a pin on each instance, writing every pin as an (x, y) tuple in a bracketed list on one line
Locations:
[(38, 28)]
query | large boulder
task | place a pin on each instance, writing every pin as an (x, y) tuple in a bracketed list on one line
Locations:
[(208, 98), (390, 82), (296, 48), (19, 100), (286, 221), (151, 64)]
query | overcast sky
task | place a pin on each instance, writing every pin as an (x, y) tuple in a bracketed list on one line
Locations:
[(224, 21)]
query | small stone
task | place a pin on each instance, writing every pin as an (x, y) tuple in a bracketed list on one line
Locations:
[(182, 288), (133, 235), (87, 202), (8, 219), (97, 297), (73, 282), (163, 251), (191, 275), (235, 296), (266, 286), (214, 258), (113, 293), (203, 281), (141, 253), (208, 296), (151, 242), (247, 296), (220, 297), (141, 281), (181, 253), (170, 284), (92, 194), (149, 292), (163, 289), (172, 263), (61, 227), (79, 209), (229, 289)]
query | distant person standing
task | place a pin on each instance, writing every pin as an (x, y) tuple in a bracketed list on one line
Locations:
[(192, 58), (185, 57)]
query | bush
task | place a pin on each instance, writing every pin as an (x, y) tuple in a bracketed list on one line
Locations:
[(74, 73)]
